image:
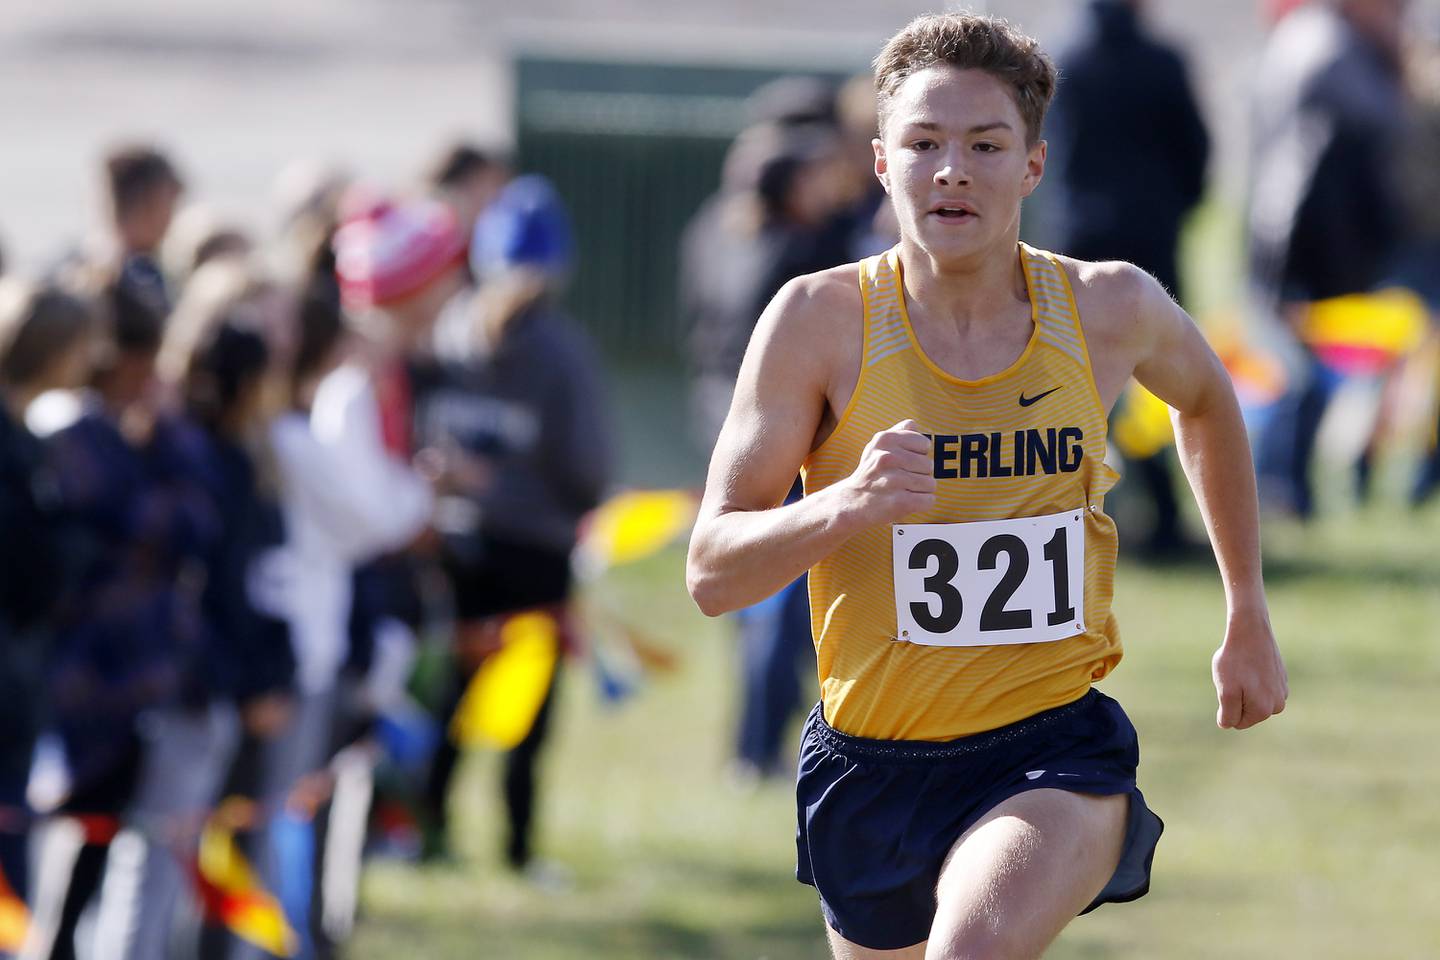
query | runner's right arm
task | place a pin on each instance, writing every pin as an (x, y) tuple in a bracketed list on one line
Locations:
[(744, 547)]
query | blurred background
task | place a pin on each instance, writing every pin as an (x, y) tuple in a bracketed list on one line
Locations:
[(494, 267)]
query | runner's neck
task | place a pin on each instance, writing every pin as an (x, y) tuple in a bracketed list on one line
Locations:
[(960, 296)]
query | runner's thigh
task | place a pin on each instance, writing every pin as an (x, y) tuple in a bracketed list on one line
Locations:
[(1023, 871)]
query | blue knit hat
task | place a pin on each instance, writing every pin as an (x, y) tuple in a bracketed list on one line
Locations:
[(526, 225)]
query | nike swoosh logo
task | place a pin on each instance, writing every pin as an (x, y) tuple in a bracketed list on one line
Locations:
[(1026, 401)]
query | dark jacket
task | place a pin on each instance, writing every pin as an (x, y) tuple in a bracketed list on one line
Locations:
[(535, 409), (31, 582), (134, 536), (247, 651), (1127, 143)]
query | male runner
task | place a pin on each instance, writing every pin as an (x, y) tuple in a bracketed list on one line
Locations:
[(962, 790)]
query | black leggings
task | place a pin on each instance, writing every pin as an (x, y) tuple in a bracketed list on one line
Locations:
[(518, 779), (507, 578)]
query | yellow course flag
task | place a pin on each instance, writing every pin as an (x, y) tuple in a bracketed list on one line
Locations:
[(634, 525), (504, 697), (231, 890), (1142, 428), (1390, 321)]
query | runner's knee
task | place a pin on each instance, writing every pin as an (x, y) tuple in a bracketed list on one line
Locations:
[(981, 943)]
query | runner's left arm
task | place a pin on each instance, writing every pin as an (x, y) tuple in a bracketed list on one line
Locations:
[(1176, 364)]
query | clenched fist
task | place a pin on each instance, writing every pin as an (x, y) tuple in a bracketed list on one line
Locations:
[(895, 476)]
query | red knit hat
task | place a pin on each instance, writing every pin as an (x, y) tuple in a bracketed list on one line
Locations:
[(391, 250)]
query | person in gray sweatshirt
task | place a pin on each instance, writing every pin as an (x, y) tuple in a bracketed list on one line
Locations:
[(511, 411)]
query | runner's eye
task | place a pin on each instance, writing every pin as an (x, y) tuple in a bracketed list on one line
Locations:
[(987, 147), (923, 145)]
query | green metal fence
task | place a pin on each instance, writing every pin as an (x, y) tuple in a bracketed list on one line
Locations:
[(633, 149)]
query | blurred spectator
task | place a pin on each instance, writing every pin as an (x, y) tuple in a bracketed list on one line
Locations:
[(143, 189), (334, 523), (786, 209), (867, 215), (467, 178), (1324, 218), (309, 198), (134, 536), (514, 417), (1129, 149), (46, 341), (235, 664), (397, 266), (860, 222), (792, 100), (772, 219), (1125, 135)]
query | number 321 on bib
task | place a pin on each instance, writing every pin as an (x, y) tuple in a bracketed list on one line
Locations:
[(991, 581)]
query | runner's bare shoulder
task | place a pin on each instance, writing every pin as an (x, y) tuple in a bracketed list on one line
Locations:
[(1113, 298), (813, 325)]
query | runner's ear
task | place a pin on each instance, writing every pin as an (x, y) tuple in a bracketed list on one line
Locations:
[(1034, 166)]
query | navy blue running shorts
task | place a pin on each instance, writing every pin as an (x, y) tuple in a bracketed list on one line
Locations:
[(877, 818)]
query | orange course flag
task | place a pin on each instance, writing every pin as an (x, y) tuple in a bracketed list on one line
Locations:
[(232, 893), (14, 920)]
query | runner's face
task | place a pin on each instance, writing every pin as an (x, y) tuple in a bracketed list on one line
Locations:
[(954, 160)]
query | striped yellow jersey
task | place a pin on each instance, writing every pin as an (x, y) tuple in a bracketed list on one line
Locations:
[(1024, 443)]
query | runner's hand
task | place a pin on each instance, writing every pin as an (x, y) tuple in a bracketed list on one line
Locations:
[(895, 477), (1250, 678)]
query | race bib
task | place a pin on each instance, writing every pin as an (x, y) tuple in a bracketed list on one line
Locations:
[(992, 581)]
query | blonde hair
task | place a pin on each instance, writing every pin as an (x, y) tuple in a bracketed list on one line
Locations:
[(214, 293), (37, 325)]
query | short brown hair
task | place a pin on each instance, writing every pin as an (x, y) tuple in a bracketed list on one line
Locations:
[(970, 42), (133, 171)]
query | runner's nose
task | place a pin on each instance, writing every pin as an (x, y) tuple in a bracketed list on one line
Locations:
[(950, 175), (951, 172)]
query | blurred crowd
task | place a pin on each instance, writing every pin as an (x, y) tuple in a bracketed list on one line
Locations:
[(241, 474), (239, 477), (1339, 233), (1343, 181)]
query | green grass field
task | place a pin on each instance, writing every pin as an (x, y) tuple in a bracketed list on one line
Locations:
[(1316, 835)]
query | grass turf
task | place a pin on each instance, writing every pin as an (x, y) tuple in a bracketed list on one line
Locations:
[(1314, 835)]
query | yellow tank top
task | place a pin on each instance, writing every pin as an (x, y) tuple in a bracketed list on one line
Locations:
[(1026, 442)]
